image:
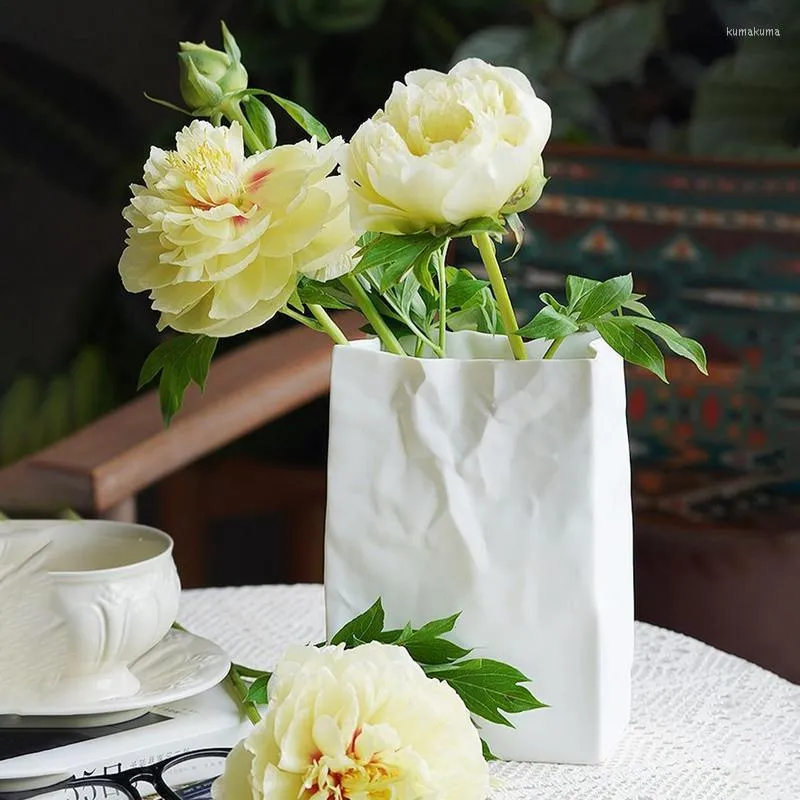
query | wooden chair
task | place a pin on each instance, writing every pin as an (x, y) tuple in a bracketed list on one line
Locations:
[(99, 470)]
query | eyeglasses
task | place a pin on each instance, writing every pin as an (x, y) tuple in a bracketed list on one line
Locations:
[(183, 777)]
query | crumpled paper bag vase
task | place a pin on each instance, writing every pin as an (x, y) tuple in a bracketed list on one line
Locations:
[(500, 489)]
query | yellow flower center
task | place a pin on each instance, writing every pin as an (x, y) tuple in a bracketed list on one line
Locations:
[(212, 173), (363, 779), (203, 162)]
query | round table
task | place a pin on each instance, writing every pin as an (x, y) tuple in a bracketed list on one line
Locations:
[(705, 725)]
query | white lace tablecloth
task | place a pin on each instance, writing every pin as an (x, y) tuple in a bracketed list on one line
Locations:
[(705, 725)]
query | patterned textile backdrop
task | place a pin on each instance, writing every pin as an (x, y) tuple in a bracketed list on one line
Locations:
[(716, 248)]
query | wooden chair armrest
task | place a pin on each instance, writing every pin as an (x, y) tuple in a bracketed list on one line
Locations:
[(129, 449)]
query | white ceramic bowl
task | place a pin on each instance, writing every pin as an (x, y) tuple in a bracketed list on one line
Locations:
[(113, 593)]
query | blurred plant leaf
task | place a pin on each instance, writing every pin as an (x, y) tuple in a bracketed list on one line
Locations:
[(571, 9), (613, 44), (533, 50), (18, 419), (55, 412), (575, 106), (738, 120), (91, 393), (339, 16)]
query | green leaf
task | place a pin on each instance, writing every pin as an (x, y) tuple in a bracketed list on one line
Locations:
[(365, 626), (434, 650), (424, 275), (406, 292), (548, 324), (473, 227), (632, 344), (577, 289), (396, 635), (517, 230), (262, 122), (199, 360), (680, 345), (394, 256), (468, 319), (638, 308), (478, 312), (462, 290), (488, 755), (488, 687), (313, 292), (437, 627), (295, 302), (303, 118), (180, 360), (257, 693), (229, 44), (612, 45), (607, 296), (548, 299), (168, 105)]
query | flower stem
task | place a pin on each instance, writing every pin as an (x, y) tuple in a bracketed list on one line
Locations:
[(249, 672), (235, 677), (486, 248), (331, 328), (554, 345), (442, 278), (233, 111), (321, 320), (240, 688), (372, 314), (422, 338)]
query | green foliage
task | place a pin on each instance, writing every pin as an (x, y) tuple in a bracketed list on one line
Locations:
[(325, 294), (487, 687), (34, 413), (262, 121), (181, 360), (533, 50), (488, 755), (632, 344), (601, 306), (571, 9), (549, 324), (745, 105), (613, 44), (393, 257), (471, 306), (605, 297), (258, 690), (307, 121)]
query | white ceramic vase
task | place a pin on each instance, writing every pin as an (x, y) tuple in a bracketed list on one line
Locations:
[(500, 489)]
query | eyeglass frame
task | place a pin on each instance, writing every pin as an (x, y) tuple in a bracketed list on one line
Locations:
[(127, 779)]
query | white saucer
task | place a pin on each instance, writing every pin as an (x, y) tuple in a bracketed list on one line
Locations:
[(181, 665)]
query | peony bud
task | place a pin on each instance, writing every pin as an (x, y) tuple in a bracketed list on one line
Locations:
[(208, 75)]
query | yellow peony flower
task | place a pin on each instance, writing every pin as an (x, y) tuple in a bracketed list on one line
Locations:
[(219, 239), (364, 723), (447, 148)]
